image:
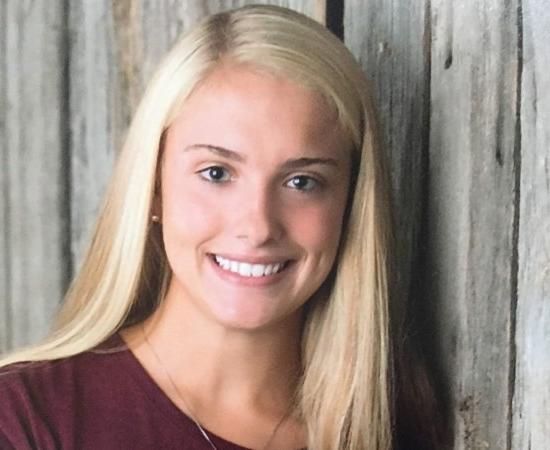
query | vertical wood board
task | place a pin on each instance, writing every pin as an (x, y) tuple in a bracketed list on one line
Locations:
[(471, 209), (5, 262), (531, 418), (388, 40), (32, 167), (94, 110)]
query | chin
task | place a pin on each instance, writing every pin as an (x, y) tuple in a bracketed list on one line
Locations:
[(251, 317)]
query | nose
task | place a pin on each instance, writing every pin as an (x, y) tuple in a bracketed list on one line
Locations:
[(259, 219)]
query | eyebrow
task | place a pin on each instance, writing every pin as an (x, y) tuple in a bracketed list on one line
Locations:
[(226, 153), (235, 156)]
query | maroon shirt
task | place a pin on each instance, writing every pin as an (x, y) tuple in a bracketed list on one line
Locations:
[(98, 401)]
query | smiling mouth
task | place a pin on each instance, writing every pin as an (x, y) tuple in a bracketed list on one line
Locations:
[(245, 269)]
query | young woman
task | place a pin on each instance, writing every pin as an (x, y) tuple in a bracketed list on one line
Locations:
[(237, 292)]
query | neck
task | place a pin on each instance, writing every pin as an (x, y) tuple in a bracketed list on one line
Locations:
[(230, 367)]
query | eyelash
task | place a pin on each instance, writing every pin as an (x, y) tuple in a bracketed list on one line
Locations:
[(206, 174), (316, 183)]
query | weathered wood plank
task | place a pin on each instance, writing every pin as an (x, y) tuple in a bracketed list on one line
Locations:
[(4, 222), (531, 418), (116, 46), (4, 218), (32, 169), (471, 211), (388, 39), (98, 112)]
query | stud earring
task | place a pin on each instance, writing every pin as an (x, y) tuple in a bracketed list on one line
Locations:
[(155, 218)]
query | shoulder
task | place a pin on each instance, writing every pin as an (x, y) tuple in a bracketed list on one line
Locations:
[(39, 400), (57, 380), (25, 396)]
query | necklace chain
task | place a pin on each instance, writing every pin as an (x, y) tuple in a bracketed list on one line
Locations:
[(190, 411)]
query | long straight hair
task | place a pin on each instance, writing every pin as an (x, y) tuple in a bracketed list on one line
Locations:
[(345, 395)]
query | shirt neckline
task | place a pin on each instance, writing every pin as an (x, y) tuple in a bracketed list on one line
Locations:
[(164, 403)]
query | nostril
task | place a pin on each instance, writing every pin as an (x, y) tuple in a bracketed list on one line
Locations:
[(259, 233)]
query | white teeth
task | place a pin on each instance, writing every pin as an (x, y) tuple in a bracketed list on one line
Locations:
[(257, 270), (245, 269), (248, 270)]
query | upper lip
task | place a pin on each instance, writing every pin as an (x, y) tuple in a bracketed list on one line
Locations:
[(253, 259)]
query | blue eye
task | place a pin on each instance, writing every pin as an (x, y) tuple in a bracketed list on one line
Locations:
[(303, 183), (215, 174)]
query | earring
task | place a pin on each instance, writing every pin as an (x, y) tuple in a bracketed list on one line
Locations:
[(155, 218)]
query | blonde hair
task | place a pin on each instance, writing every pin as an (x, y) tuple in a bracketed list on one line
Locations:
[(345, 394)]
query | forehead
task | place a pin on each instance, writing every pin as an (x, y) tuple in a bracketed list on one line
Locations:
[(242, 107)]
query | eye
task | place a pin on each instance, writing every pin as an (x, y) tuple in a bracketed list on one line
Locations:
[(215, 174), (303, 183)]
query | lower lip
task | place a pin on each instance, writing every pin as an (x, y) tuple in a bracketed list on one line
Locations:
[(236, 278)]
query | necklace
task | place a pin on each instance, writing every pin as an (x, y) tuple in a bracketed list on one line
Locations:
[(191, 414)]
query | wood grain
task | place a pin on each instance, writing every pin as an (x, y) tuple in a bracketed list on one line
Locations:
[(31, 173), (5, 252), (531, 417), (472, 173), (388, 39)]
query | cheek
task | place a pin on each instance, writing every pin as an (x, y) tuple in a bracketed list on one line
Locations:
[(187, 214), (317, 227)]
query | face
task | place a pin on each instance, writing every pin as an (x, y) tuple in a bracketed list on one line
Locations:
[(254, 181)]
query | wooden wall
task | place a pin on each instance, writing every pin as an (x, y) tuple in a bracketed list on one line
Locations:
[(463, 89)]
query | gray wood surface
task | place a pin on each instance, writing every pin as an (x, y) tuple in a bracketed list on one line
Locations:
[(532, 376), (472, 168), (32, 170), (115, 48), (388, 39), (5, 263)]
